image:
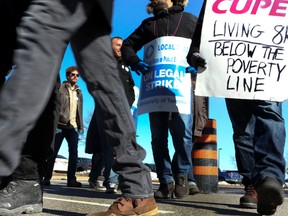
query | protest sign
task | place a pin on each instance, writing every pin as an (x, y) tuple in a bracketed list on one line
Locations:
[(167, 87), (245, 44)]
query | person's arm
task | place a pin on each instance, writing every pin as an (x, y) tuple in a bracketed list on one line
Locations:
[(193, 56), (134, 43)]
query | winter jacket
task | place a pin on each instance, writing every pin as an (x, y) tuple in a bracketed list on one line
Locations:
[(127, 80), (64, 117), (173, 22), (170, 22)]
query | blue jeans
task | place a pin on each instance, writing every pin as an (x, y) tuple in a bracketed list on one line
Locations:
[(180, 126), (41, 45), (259, 138)]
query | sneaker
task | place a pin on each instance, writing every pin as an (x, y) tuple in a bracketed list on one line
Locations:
[(165, 191), (193, 189), (128, 206), (21, 196), (249, 200), (270, 195), (97, 185), (46, 182), (181, 187), (112, 188), (74, 183)]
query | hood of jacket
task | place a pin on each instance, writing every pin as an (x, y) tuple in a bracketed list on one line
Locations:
[(162, 5)]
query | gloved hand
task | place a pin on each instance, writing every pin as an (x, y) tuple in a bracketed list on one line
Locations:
[(191, 70), (196, 60), (80, 136), (140, 67)]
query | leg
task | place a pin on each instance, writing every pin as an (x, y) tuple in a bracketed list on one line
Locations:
[(243, 123), (269, 172), (159, 130), (116, 119), (159, 123), (181, 131), (18, 116), (28, 175), (180, 127), (57, 144), (71, 136)]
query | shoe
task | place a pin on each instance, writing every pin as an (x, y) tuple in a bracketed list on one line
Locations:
[(97, 185), (112, 188), (46, 182), (127, 206), (165, 191), (181, 187), (193, 189), (270, 195), (74, 183), (249, 200), (21, 196)]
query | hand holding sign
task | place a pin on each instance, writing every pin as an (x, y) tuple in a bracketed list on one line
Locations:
[(197, 61)]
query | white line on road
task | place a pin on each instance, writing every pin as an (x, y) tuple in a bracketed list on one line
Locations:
[(95, 204)]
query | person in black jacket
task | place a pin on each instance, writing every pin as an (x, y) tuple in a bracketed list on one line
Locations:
[(124, 70), (169, 20)]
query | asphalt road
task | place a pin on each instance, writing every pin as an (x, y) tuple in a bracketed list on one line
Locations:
[(61, 200)]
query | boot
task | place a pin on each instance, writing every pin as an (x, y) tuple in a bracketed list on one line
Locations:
[(165, 191), (249, 200), (270, 195), (127, 206), (181, 187), (21, 196)]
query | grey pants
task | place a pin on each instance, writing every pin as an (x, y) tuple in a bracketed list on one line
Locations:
[(44, 33)]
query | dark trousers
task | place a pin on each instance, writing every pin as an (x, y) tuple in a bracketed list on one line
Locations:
[(41, 46), (71, 135), (33, 158), (38, 146)]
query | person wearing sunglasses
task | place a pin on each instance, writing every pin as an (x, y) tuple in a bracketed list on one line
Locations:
[(70, 125)]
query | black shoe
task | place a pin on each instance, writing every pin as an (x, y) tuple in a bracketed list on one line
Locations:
[(249, 200), (181, 187), (165, 191), (21, 196), (46, 182), (270, 195), (74, 184)]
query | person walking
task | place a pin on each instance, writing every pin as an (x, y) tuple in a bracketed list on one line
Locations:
[(70, 125), (169, 20), (259, 139), (47, 27), (21, 191)]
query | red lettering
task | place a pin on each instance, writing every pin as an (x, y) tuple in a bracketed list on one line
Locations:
[(216, 9), (276, 7), (246, 7), (267, 3)]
